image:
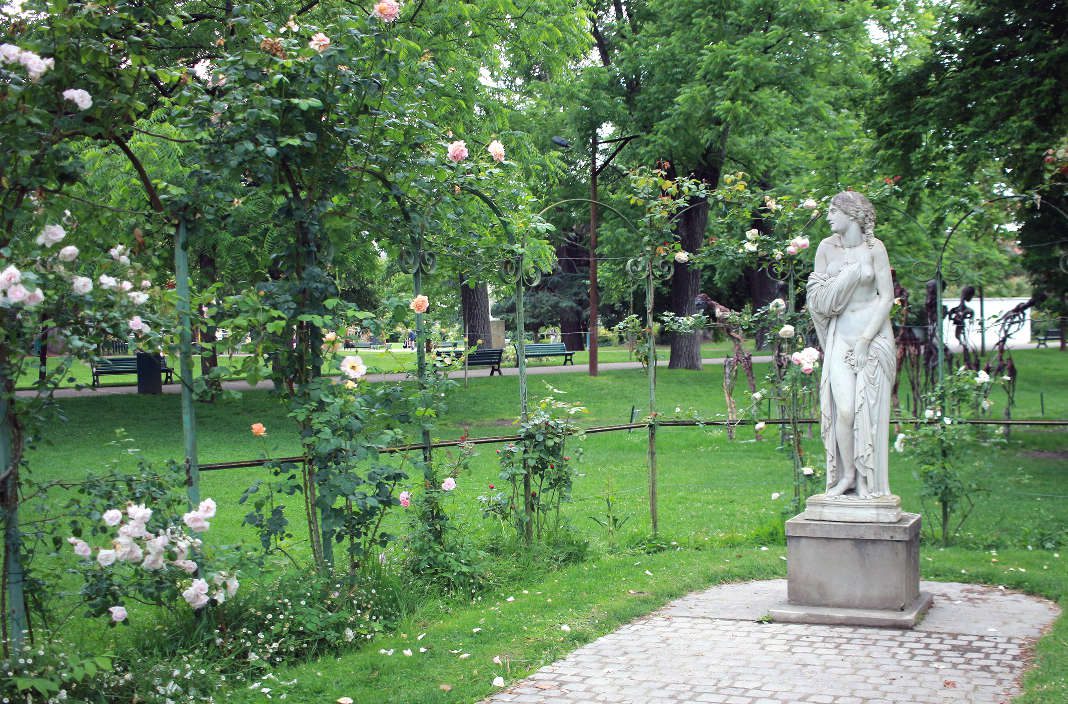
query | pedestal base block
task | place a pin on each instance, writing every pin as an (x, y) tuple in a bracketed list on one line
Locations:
[(832, 616), (850, 509), (866, 574)]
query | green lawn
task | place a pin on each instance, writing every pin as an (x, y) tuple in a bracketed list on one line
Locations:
[(396, 359), (716, 512)]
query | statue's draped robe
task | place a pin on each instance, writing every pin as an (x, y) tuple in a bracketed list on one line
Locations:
[(827, 297)]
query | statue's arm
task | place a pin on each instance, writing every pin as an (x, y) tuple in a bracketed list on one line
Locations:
[(885, 286), (820, 265)]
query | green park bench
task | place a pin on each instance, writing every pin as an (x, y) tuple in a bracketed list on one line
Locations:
[(1051, 334), (481, 357), (109, 366), (547, 349)]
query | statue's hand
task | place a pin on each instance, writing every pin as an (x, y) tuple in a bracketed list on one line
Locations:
[(860, 353)]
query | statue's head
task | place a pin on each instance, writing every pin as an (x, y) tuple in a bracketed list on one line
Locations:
[(859, 209)]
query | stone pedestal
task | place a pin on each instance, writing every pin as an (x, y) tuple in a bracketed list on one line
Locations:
[(851, 509), (848, 572), (497, 333)]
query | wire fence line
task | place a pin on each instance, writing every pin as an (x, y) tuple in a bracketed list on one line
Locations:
[(681, 423)]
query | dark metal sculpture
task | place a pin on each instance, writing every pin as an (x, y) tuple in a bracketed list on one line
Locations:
[(739, 359)]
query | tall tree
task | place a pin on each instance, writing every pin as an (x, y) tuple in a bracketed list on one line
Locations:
[(976, 109), (474, 302), (738, 85)]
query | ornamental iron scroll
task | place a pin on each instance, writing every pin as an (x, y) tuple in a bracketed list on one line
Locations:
[(411, 259), (511, 268), (658, 266)]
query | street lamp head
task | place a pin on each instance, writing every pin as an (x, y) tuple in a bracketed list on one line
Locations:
[(561, 142)]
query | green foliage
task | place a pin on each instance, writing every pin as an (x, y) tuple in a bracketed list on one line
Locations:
[(538, 469), (437, 550), (943, 449), (51, 674)]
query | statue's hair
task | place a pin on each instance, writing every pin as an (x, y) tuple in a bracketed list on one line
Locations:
[(860, 209)]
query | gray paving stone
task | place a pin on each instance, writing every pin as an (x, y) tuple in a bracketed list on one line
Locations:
[(711, 647)]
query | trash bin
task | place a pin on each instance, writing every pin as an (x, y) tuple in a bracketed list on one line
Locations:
[(149, 373)]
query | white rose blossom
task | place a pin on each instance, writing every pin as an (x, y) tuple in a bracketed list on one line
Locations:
[(81, 285), (50, 235), (79, 97)]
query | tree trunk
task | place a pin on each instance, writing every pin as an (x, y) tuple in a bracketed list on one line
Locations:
[(476, 313), (573, 331), (686, 284), (573, 258)]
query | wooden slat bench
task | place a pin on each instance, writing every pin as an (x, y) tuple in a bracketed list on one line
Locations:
[(107, 366), (547, 349), (481, 357), (1046, 336)]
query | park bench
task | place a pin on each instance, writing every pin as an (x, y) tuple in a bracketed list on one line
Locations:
[(107, 366), (1048, 335), (365, 345), (547, 349), (481, 357)]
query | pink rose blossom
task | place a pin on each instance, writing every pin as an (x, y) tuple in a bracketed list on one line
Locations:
[(231, 586), (34, 297), (188, 566), (133, 529), (196, 521), (139, 513), (106, 558), (68, 253), (125, 286), (791, 250), (405, 499), (81, 548), (387, 10), (17, 293), (138, 325), (117, 251), (197, 594), (138, 298), (420, 304), (112, 517), (320, 42), (207, 508), (496, 150), (9, 277), (146, 284), (126, 550), (449, 484), (107, 282), (118, 613), (153, 561), (457, 151)]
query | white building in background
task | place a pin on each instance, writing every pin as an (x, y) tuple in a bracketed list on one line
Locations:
[(992, 309)]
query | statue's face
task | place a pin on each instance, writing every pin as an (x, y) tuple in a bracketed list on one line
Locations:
[(838, 220)]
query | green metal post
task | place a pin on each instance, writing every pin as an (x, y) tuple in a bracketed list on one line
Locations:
[(652, 395), (521, 361), (185, 362), (420, 355)]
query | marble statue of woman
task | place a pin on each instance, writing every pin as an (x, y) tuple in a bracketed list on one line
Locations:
[(850, 294)]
